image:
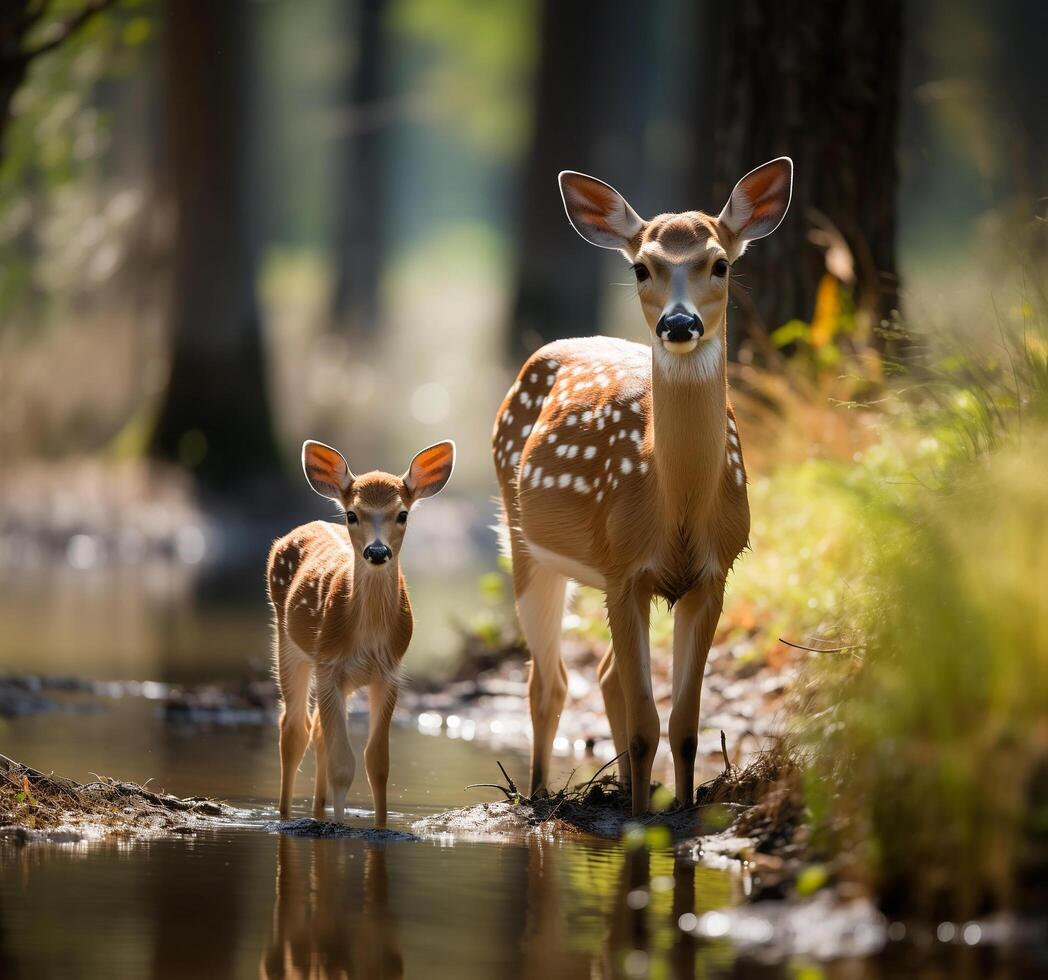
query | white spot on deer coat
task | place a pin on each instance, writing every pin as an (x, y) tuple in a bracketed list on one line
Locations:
[(626, 466), (589, 452), (564, 479)]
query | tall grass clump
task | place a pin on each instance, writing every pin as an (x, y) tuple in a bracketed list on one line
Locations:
[(930, 759)]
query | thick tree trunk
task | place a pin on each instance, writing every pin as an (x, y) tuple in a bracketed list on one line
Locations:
[(358, 246), (589, 106), (215, 415), (818, 83)]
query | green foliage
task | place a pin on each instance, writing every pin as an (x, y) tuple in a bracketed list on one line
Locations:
[(930, 749), (59, 139)]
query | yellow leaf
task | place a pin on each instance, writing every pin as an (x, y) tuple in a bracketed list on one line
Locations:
[(827, 311)]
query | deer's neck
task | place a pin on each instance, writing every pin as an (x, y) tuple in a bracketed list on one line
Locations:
[(689, 416), (378, 586)]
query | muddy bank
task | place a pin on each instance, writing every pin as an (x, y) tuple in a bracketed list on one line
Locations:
[(308, 827), (35, 806)]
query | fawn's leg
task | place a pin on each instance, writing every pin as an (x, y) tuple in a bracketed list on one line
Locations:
[(341, 765), (628, 613), (293, 672), (694, 622), (615, 708), (540, 609), (382, 700), (320, 781)]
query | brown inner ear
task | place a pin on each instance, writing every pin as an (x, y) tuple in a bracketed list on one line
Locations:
[(428, 467), (325, 466)]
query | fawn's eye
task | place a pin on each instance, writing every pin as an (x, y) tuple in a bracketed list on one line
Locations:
[(641, 272), (402, 517), (351, 518), (720, 268)]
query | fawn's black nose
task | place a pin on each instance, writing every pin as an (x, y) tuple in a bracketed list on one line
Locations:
[(679, 325), (377, 554)]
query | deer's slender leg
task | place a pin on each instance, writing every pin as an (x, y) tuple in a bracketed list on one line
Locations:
[(615, 708), (320, 782), (382, 700), (694, 623), (341, 764), (628, 613), (293, 673), (540, 609)]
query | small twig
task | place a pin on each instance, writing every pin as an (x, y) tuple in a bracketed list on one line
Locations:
[(512, 797), (67, 29), (509, 780), (800, 646), (589, 782), (563, 795), (724, 752)]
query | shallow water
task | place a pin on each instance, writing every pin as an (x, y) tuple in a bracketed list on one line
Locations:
[(243, 901), (237, 901)]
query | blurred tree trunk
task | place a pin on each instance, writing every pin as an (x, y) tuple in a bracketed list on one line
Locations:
[(359, 184), (215, 414), (819, 83), (18, 18), (594, 64)]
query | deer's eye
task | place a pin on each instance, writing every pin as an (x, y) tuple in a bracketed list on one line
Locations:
[(641, 272), (720, 268), (402, 517), (351, 518)]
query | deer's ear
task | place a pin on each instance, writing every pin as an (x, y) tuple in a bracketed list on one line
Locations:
[(326, 471), (598, 212), (756, 206), (430, 470)]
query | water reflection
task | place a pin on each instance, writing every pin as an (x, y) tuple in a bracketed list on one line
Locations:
[(332, 915)]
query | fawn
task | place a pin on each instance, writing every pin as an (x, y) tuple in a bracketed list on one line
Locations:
[(342, 617), (620, 467)]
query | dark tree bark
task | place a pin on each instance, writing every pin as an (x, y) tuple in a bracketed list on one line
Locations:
[(590, 99), (215, 414), (818, 83), (359, 184), (18, 18)]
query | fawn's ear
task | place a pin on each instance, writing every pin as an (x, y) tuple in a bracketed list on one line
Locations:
[(430, 470), (598, 212), (326, 471), (756, 206)]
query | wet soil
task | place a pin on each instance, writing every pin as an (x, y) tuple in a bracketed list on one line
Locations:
[(35, 806)]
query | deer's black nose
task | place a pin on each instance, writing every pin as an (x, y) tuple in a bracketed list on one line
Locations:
[(377, 554), (679, 325)]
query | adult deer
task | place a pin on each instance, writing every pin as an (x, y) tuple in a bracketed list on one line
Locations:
[(341, 611), (620, 467)]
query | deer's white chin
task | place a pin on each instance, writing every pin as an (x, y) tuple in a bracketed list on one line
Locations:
[(681, 346)]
